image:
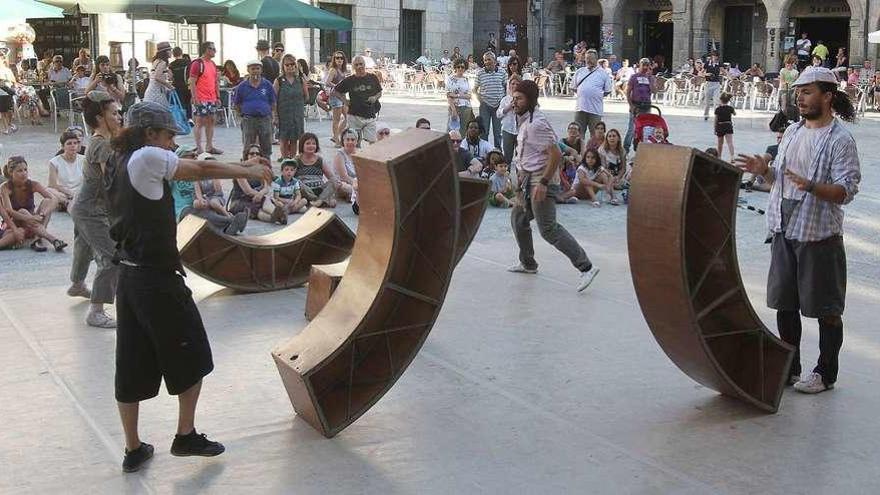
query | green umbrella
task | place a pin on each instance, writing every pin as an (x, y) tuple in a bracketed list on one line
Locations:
[(280, 14), (193, 11), (27, 9)]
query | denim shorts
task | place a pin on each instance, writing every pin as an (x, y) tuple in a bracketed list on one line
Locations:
[(335, 102)]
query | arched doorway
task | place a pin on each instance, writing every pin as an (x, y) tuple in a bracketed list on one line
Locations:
[(737, 30), (647, 29), (825, 20)]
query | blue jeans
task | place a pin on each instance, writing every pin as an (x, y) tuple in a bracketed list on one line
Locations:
[(487, 116)]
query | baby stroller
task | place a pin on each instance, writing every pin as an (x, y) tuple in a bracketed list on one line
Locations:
[(646, 123)]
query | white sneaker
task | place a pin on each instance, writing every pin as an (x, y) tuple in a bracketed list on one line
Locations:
[(100, 320), (520, 268), (812, 384), (587, 278), (794, 379)]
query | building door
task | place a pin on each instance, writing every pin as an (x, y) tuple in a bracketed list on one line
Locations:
[(736, 45), (186, 36), (833, 31), (332, 41), (410, 35), (658, 37), (583, 28)]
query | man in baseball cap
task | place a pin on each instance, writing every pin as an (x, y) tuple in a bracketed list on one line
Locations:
[(815, 172), (159, 334), (255, 101), (271, 67)]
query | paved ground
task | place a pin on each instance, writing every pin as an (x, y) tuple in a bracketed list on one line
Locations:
[(578, 398)]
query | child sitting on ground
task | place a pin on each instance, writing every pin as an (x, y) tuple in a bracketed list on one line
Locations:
[(286, 196), (17, 200), (209, 193), (592, 177), (501, 191)]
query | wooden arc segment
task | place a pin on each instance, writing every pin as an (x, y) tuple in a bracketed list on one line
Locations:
[(404, 255), (275, 261), (682, 250), (324, 279)]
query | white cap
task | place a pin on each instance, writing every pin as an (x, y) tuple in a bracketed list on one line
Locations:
[(205, 156), (254, 62), (815, 74)]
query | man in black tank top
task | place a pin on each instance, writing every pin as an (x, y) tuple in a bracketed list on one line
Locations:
[(160, 333)]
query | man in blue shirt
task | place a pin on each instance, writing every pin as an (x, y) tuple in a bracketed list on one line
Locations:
[(255, 101)]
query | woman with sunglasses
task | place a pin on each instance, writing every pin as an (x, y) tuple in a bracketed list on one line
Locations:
[(247, 194), (292, 93), (458, 95), (337, 71), (514, 66), (89, 213)]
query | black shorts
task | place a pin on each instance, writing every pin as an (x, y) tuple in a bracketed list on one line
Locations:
[(723, 128), (159, 335)]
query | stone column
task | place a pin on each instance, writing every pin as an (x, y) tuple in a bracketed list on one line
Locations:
[(681, 36), (773, 47)]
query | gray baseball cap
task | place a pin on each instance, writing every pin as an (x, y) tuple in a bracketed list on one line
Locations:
[(150, 114)]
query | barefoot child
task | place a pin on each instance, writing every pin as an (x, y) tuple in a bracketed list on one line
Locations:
[(724, 125), (501, 191), (592, 177)]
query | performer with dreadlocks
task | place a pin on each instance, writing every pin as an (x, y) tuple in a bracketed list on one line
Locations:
[(537, 163), (816, 171)]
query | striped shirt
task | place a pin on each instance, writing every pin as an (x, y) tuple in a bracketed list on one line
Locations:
[(491, 86), (835, 160)]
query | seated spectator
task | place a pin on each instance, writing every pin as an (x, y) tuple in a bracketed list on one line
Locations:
[(344, 173), (382, 131), (312, 173), (66, 171), (462, 155), (558, 64), (713, 152), (621, 78), (478, 147), (501, 189), (17, 200), (755, 71), (11, 236), (852, 77), (659, 136), (286, 196), (423, 123), (598, 137), (58, 74), (591, 178), (248, 194), (184, 195), (80, 81), (614, 157), (209, 193)]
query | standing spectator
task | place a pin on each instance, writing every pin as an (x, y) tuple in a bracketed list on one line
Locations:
[(17, 199), (66, 171), (621, 78), (363, 90), (7, 92), (107, 81), (591, 83), (336, 72), (89, 213), (713, 83), (821, 51), (866, 75), (84, 60), (514, 67), (490, 88), (292, 93), (231, 73), (841, 64), (614, 64), (816, 172), (638, 95), (277, 53), (724, 125), (458, 94), (255, 101), (160, 77), (472, 65), (369, 61), (787, 76), (456, 54), (204, 86), (270, 67), (804, 50), (508, 120), (538, 175), (179, 79)]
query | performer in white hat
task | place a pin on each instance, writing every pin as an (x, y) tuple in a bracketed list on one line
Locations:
[(816, 172)]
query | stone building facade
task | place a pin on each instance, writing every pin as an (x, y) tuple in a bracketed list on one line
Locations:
[(743, 31)]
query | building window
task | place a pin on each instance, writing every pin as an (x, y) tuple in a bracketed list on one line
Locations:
[(332, 41), (410, 35), (186, 36)]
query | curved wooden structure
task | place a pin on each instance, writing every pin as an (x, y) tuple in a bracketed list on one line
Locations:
[(324, 279), (280, 260), (682, 251), (359, 345)]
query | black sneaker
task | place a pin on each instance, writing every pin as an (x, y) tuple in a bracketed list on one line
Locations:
[(195, 444), (136, 458)]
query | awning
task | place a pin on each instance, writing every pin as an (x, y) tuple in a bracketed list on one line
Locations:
[(192, 11), (280, 14), (27, 9)]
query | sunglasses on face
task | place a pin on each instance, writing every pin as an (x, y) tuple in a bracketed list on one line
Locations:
[(290, 65), (339, 58), (279, 49), (384, 133), (254, 153)]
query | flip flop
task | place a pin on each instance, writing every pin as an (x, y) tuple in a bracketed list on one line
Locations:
[(59, 245), (38, 246)]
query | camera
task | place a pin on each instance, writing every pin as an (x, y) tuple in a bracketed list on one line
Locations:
[(109, 79)]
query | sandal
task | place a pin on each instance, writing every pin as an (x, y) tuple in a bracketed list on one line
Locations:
[(59, 245), (597, 204), (38, 246), (215, 151)]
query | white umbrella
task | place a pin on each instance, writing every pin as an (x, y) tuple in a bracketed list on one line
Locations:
[(874, 37)]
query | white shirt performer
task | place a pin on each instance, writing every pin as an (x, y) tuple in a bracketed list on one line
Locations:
[(538, 159), (815, 172)]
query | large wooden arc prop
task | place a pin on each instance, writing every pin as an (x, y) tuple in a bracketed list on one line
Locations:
[(682, 252), (280, 260), (387, 301)]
